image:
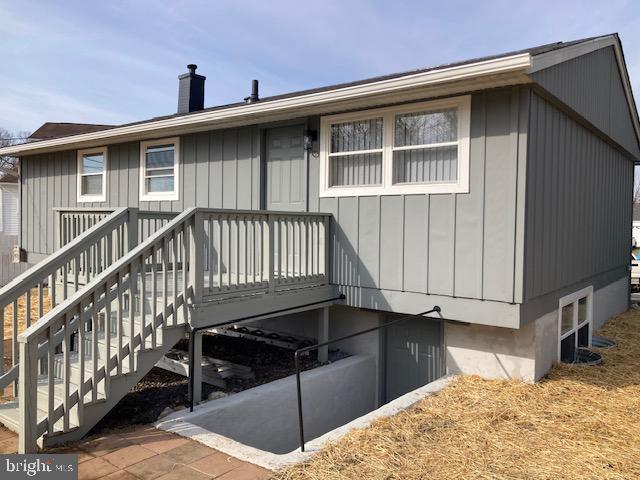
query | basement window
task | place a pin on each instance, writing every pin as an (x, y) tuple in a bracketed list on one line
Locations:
[(159, 169), (415, 148), (92, 178), (574, 323)]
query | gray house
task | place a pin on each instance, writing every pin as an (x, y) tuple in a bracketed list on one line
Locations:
[(499, 189)]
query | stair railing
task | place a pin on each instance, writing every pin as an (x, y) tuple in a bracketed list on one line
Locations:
[(25, 299), (95, 312)]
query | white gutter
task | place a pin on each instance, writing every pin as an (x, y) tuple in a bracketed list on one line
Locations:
[(520, 62)]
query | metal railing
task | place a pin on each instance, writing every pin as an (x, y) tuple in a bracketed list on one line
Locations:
[(310, 348)]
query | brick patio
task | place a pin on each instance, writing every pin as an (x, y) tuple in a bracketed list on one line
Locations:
[(147, 453)]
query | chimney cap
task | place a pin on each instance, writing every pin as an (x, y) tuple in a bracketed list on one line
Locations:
[(192, 67)]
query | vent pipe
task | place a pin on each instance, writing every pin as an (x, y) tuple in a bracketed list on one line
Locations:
[(254, 93)]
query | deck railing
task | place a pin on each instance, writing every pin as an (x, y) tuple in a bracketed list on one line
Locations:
[(198, 256), (24, 300)]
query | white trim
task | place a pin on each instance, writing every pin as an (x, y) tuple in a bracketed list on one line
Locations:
[(91, 198), (159, 196), (573, 298), (513, 63), (461, 185)]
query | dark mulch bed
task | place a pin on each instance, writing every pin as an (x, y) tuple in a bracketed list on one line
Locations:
[(160, 389)]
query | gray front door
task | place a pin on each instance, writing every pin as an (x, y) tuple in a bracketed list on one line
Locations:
[(413, 355), (286, 169)]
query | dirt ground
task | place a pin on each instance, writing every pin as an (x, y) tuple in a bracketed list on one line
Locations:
[(579, 422), (160, 389)]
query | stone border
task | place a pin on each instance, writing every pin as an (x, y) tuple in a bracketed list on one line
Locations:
[(179, 423)]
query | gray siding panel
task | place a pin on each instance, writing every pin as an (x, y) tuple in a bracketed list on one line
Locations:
[(578, 203), (591, 84), (208, 162), (446, 244)]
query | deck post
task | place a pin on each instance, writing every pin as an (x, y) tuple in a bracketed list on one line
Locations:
[(132, 229), (196, 368), (323, 333), (28, 391)]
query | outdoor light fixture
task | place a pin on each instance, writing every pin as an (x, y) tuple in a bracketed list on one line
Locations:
[(310, 136)]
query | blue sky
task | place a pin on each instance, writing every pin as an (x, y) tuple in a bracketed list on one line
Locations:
[(117, 61)]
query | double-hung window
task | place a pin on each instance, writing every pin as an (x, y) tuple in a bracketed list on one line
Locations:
[(414, 148), (574, 323), (92, 177), (159, 169)]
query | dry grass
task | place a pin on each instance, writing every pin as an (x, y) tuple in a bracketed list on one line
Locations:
[(581, 422), (22, 312), (22, 325)]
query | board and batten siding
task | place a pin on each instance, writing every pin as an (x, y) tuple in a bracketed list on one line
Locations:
[(218, 169), (579, 204), (458, 245), (591, 85)]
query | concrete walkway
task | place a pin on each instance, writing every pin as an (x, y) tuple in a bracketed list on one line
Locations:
[(147, 453)]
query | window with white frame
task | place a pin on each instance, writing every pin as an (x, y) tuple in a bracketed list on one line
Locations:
[(92, 177), (574, 323), (159, 169), (415, 148)]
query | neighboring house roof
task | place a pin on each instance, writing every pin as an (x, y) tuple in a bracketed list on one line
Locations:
[(51, 130), (509, 68), (636, 212)]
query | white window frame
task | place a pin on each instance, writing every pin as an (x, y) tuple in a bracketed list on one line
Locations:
[(573, 298), (157, 196), (92, 198), (388, 114)]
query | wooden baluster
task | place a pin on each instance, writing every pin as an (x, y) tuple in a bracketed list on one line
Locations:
[(50, 384), (132, 291), (107, 338), (220, 252), (165, 279), (66, 370), (76, 273), (154, 294), (143, 303), (52, 288), (28, 307), (15, 354), (270, 253), (175, 276), (28, 404), (119, 331), (40, 299), (81, 360), (245, 222), (210, 256), (185, 269), (65, 280), (95, 326)]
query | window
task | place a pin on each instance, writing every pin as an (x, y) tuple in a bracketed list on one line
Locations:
[(575, 314), (159, 169), (417, 148), (92, 178)]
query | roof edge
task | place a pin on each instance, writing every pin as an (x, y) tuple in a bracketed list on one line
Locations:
[(513, 63)]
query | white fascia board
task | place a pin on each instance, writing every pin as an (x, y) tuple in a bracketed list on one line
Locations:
[(520, 62)]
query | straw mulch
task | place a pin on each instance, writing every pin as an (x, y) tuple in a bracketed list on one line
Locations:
[(22, 311), (580, 422), (7, 394)]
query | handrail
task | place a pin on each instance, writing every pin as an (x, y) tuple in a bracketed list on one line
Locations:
[(54, 261), (296, 355), (83, 294)]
